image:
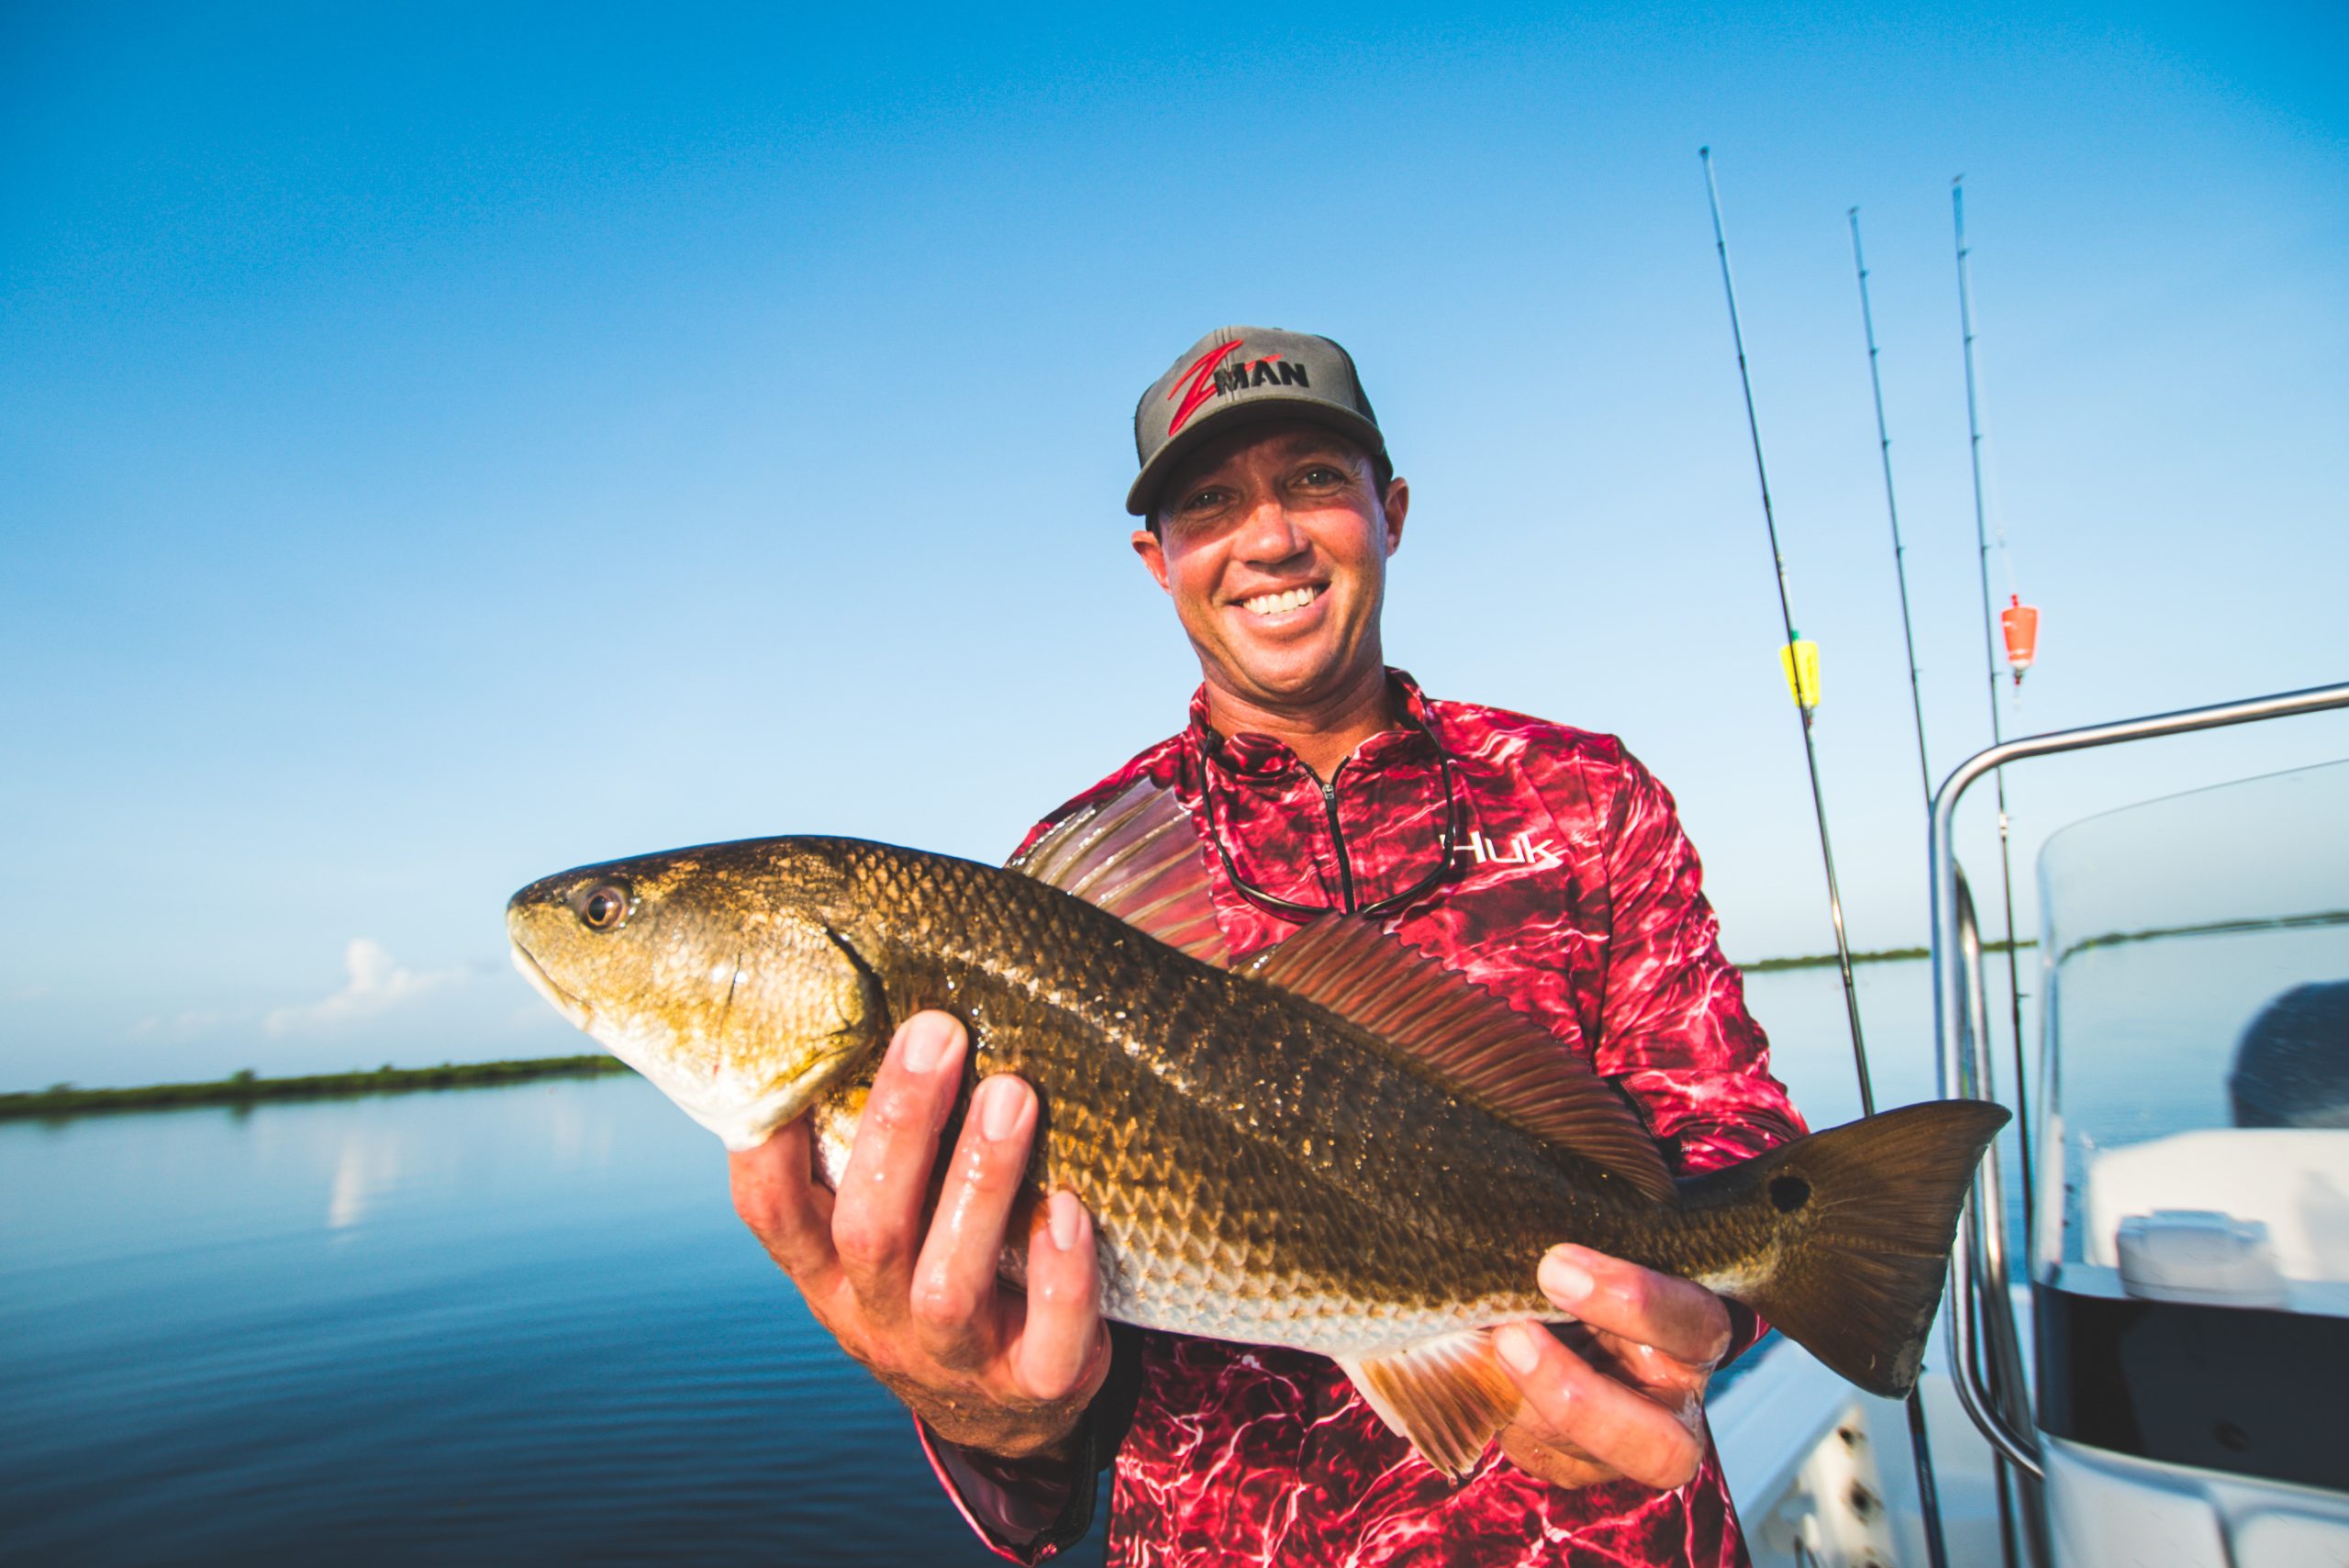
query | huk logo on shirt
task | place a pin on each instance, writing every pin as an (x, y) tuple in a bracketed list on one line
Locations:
[(1208, 376), (1524, 850)]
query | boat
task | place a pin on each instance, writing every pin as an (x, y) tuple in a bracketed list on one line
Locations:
[(2163, 1383)]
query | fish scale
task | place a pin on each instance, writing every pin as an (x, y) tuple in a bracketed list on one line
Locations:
[(1365, 1220)]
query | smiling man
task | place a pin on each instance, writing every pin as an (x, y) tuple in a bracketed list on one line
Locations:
[(1540, 862)]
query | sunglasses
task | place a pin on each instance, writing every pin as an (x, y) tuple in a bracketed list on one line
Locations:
[(1273, 903)]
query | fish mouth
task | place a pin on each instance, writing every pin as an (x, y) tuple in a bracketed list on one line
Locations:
[(569, 1006)]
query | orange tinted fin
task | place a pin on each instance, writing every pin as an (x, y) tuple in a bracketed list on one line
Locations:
[(1134, 855), (1470, 1040), (1447, 1396)]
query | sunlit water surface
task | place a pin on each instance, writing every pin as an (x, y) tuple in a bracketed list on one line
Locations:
[(498, 1325)]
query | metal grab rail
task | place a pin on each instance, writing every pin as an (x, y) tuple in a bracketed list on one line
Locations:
[(1978, 1265), (1961, 1053)]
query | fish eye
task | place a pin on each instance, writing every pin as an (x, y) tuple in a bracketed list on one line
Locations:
[(607, 908)]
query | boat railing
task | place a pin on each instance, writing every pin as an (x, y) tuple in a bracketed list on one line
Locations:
[(1985, 1359)]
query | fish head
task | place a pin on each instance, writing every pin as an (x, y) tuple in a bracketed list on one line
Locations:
[(712, 971)]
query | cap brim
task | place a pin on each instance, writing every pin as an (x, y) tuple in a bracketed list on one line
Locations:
[(1224, 420)]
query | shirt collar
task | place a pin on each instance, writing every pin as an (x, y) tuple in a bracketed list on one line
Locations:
[(1251, 754)]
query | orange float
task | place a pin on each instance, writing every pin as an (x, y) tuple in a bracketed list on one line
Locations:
[(2019, 623)]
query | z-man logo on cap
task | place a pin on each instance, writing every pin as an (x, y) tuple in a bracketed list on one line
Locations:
[(1205, 377)]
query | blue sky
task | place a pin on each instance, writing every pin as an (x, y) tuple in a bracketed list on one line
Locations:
[(435, 450)]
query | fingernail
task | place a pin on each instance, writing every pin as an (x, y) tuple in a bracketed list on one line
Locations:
[(1067, 1218), (1565, 1284), (1000, 1102), (1516, 1345), (925, 1041)]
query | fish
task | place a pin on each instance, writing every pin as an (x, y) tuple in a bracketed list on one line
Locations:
[(1336, 1145)]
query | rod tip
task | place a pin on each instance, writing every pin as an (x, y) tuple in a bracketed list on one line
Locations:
[(1704, 152)]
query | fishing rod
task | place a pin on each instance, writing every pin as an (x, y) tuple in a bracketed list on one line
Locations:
[(1928, 1495), (2029, 1536), (1787, 621), (1990, 649), (1892, 510)]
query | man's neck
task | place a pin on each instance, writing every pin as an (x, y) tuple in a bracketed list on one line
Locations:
[(1323, 733)]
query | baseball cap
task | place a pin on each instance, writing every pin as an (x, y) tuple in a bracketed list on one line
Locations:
[(1238, 374)]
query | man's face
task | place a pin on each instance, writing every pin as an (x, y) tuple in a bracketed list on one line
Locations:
[(1273, 542)]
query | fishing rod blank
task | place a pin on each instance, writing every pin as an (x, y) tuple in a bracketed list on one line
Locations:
[(1787, 620), (2032, 1507), (1928, 1495), (1892, 510)]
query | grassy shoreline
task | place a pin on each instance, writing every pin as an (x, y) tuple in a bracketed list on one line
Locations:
[(246, 1089)]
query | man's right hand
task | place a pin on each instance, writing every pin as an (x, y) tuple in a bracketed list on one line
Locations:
[(986, 1367)]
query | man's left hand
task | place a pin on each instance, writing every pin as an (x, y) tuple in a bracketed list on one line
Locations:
[(1626, 1401)]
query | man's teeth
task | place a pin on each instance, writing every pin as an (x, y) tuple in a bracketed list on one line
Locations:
[(1274, 604)]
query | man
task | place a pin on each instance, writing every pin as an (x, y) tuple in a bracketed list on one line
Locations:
[(1318, 781)]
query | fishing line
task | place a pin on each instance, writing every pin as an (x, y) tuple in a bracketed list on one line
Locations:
[(1928, 1495)]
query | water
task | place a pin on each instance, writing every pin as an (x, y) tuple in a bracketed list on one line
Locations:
[(514, 1325), (498, 1325)]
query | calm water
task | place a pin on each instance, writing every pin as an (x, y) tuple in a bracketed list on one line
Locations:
[(513, 1324), (497, 1325)]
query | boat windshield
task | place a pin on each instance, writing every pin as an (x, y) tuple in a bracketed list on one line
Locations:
[(2195, 1133)]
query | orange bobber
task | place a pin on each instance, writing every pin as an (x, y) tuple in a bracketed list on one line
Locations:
[(2020, 622)]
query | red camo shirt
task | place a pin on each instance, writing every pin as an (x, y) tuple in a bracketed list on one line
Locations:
[(1576, 897)]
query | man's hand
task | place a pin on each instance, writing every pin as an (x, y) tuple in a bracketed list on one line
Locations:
[(986, 1367), (1627, 1401)]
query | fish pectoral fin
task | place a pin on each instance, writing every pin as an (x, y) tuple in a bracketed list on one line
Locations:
[(1448, 1396)]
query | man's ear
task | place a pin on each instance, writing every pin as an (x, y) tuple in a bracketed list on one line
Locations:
[(1398, 501), (1153, 555)]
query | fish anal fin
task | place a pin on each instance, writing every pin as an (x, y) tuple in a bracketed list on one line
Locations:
[(1134, 855), (1448, 1396), (1469, 1041)]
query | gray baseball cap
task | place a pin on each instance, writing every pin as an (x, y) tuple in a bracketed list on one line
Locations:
[(1239, 374)]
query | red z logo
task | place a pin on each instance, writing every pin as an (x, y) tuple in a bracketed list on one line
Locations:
[(1198, 384)]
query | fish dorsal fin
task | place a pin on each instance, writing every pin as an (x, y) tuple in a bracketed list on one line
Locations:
[(1134, 855), (1469, 1040), (1447, 1396)]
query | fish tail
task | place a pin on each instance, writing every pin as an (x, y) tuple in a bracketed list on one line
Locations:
[(1860, 1220)]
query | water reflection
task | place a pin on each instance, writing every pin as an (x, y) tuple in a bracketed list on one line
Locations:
[(510, 1325)]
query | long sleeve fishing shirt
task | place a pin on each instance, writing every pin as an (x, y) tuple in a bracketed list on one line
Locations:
[(1572, 894)]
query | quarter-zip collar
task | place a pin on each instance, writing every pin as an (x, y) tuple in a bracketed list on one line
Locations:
[(1371, 830)]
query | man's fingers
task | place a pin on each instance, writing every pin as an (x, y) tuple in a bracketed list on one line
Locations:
[(1061, 1349), (777, 1197), (1586, 1411), (877, 1216), (953, 1301), (1685, 1321)]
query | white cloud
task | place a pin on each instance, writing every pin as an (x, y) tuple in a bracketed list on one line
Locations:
[(374, 984)]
